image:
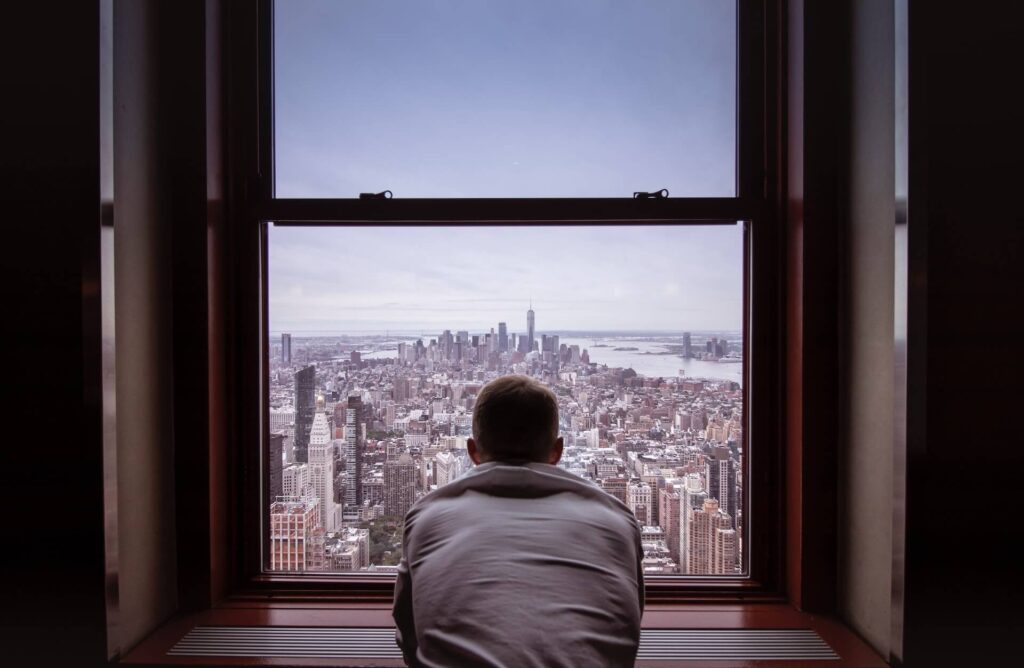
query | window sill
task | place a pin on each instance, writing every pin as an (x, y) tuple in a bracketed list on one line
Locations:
[(851, 649), (342, 591)]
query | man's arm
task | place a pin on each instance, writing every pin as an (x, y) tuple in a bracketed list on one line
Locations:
[(405, 627)]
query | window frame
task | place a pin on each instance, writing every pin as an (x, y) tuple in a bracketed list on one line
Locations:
[(251, 202)]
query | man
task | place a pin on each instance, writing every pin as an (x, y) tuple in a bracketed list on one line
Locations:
[(518, 562)]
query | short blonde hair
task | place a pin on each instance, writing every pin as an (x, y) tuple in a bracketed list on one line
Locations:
[(515, 417)]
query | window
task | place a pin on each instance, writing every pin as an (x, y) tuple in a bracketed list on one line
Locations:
[(381, 337), (512, 138)]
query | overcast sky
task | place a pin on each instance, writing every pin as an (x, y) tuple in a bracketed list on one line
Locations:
[(505, 98), (358, 279)]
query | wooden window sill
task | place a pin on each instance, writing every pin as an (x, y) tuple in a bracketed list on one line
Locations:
[(851, 649)]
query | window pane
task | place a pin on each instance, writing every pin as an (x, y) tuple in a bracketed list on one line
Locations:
[(492, 98), (381, 337)]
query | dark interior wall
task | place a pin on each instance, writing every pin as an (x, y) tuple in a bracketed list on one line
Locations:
[(53, 557), (865, 464), (109, 178), (816, 155), (144, 195), (963, 587)]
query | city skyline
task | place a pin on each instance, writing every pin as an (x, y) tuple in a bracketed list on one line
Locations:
[(601, 278), (668, 444)]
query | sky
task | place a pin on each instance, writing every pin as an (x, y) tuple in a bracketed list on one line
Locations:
[(503, 98), (612, 278)]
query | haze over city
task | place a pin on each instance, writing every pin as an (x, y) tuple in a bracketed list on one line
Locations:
[(615, 278)]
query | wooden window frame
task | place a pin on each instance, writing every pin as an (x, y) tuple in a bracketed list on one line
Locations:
[(235, 518)]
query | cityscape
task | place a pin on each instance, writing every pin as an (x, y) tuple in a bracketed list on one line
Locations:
[(362, 425)]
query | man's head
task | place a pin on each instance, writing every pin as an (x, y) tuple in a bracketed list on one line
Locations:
[(515, 417)]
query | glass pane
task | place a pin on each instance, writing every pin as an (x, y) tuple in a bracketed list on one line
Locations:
[(492, 98), (381, 337)]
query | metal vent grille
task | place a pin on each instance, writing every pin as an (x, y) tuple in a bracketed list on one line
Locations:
[(733, 644), (379, 643)]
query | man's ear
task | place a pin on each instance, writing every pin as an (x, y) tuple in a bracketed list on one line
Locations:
[(474, 452), (556, 451)]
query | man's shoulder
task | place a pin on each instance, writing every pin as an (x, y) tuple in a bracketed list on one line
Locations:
[(521, 481)]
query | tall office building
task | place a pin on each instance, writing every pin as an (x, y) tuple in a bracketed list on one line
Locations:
[(687, 349), (446, 468), (447, 343), (305, 407), (400, 390), (338, 419), (725, 553), (640, 501), (668, 508), (321, 469), (720, 473), (275, 462), (399, 485), (354, 447), (294, 532), (502, 337), (691, 498), (286, 349), (530, 330), (708, 549)]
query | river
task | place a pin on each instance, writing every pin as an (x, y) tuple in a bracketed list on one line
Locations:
[(650, 365)]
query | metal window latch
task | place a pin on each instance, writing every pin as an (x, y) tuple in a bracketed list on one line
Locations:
[(657, 194), (387, 194)]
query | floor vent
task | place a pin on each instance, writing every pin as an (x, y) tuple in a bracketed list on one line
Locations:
[(379, 643)]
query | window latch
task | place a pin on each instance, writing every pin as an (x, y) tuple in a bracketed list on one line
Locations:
[(657, 194), (386, 194)]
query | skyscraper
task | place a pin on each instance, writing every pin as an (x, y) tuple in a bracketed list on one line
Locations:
[(709, 550), (286, 349), (687, 349), (354, 451), (691, 498), (274, 465), (502, 337), (668, 509), (321, 469), (721, 481), (338, 419), (305, 407), (724, 554), (446, 342), (530, 331), (399, 485)]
